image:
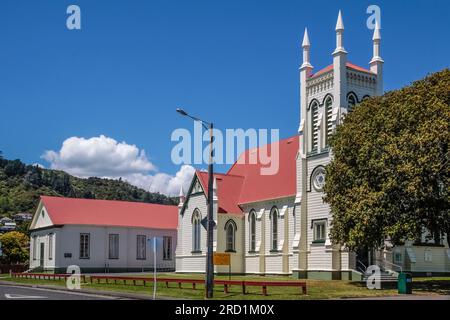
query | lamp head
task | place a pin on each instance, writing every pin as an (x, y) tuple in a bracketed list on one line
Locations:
[(182, 112)]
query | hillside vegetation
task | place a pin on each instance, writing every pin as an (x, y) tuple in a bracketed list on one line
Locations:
[(21, 185)]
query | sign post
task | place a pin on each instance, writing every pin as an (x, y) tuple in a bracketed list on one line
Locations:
[(223, 259), (154, 240)]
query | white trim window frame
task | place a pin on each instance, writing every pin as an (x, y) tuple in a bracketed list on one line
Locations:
[(85, 243), (113, 248), (319, 230), (141, 247), (167, 248)]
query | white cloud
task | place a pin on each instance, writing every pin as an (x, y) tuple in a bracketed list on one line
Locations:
[(105, 157)]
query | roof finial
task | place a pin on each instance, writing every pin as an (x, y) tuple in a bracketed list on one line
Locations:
[(182, 197), (181, 192), (339, 35), (339, 23), (306, 43)]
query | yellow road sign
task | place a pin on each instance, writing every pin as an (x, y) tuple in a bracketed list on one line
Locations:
[(221, 259)]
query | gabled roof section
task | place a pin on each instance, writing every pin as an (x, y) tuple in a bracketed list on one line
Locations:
[(349, 65), (228, 190), (244, 183), (258, 187), (71, 211)]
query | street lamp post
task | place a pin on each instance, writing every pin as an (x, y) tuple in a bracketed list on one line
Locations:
[(209, 281)]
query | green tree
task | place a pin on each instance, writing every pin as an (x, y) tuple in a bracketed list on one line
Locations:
[(389, 178), (14, 247)]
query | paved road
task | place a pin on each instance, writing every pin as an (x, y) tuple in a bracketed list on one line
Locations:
[(12, 292)]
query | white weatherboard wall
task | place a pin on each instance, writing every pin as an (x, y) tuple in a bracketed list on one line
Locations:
[(186, 260), (319, 257), (67, 242)]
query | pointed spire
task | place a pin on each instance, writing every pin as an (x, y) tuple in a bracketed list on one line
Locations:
[(339, 23), (339, 35), (306, 43), (182, 197), (376, 33), (181, 192)]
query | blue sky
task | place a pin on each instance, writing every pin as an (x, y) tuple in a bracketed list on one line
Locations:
[(232, 62)]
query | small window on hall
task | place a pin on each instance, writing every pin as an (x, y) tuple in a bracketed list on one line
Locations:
[(167, 248), (319, 228), (50, 246), (42, 213), (230, 231), (35, 246), (84, 245), (113, 246), (141, 247)]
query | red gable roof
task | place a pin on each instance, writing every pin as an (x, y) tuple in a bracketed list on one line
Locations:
[(259, 187), (349, 65), (244, 182), (110, 213), (228, 190)]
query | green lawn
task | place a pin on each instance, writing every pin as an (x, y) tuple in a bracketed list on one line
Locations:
[(317, 289)]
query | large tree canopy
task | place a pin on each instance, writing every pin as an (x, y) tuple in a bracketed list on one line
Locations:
[(389, 177)]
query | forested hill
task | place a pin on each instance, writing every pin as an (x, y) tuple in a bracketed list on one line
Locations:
[(21, 185)]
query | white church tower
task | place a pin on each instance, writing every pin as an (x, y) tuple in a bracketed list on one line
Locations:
[(326, 96)]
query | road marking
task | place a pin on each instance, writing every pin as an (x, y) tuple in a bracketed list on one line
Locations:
[(21, 296)]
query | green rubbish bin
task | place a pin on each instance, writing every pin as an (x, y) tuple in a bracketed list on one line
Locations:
[(405, 283)]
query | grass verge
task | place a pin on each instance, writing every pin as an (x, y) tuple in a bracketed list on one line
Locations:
[(317, 289)]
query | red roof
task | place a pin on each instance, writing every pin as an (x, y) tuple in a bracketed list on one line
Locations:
[(259, 187), (228, 190), (349, 65), (110, 213), (244, 182)]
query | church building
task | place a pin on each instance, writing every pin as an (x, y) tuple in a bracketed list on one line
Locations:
[(279, 224)]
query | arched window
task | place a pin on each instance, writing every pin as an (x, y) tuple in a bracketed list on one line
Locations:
[(252, 230), (230, 231), (314, 126), (329, 115), (351, 102), (196, 221), (274, 229)]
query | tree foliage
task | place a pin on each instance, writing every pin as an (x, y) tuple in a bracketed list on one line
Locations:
[(21, 186), (389, 178), (14, 247)]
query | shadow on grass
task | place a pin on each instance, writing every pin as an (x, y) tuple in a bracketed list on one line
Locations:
[(441, 287)]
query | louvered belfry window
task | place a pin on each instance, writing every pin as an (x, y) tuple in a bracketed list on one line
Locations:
[(315, 126)]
